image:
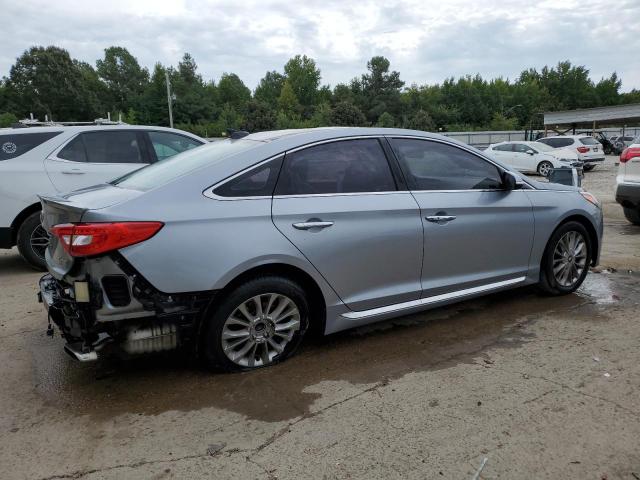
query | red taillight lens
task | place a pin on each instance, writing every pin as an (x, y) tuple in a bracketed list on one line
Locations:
[(583, 149), (85, 239), (629, 153)]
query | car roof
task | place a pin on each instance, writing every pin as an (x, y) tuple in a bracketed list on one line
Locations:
[(90, 128)]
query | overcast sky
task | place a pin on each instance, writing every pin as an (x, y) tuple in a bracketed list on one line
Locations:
[(427, 41)]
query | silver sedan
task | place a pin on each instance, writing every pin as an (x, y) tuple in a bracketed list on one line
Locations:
[(241, 247)]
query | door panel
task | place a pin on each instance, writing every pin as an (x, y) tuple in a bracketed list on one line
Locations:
[(371, 254), (489, 239)]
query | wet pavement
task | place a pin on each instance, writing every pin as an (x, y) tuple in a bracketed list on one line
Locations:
[(533, 383)]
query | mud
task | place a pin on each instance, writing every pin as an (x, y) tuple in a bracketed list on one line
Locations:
[(540, 386)]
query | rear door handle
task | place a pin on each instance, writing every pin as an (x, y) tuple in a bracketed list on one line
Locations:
[(310, 225), (440, 218), (73, 172)]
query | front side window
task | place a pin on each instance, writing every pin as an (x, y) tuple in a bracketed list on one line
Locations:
[(437, 166), (166, 144), (348, 166), (13, 145), (257, 182), (522, 148)]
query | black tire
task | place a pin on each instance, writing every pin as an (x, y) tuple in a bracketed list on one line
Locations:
[(28, 227), (544, 166), (212, 351), (632, 214), (548, 283), (588, 168)]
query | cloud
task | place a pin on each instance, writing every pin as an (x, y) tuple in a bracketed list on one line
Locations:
[(427, 41)]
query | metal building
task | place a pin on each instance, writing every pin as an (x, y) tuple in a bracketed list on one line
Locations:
[(592, 118)]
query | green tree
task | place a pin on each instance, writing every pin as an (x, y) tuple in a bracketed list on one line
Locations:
[(259, 117), (233, 92), (7, 119), (304, 78), (46, 81), (421, 120), (386, 121), (194, 101), (269, 88), (153, 109), (379, 90), (345, 114), (124, 78), (288, 102), (500, 122), (608, 90)]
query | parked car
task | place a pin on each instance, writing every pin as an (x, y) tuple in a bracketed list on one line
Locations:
[(622, 142), (606, 142), (589, 150), (628, 182), (240, 247), (533, 156), (49, 160)]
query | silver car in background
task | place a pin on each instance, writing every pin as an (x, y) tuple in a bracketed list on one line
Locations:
[(239, 248)]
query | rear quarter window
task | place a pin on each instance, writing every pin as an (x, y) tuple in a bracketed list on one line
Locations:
[(14, 145)]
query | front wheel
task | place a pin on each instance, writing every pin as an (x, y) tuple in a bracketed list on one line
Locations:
[(566, 259), (544, 168), (633, 215), (33, 241), (259, 323)]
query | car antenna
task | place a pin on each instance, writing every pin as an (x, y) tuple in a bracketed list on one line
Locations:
[(236, 134)]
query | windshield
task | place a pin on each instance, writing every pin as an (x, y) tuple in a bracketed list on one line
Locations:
[(166, 170), (543, 147)]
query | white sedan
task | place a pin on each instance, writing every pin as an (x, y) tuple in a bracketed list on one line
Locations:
[(533, 156)]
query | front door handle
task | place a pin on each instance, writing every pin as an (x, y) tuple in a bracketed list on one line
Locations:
[(440, 218), (311, 224)]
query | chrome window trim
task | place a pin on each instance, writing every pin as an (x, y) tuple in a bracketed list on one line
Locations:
[(208, 192), (466, 149), (433, 299)]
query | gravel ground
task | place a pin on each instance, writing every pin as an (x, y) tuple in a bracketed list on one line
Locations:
[(540, 387)]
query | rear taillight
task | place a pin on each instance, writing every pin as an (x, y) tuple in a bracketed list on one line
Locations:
[(629, 153), (85, 239), (583, 149)]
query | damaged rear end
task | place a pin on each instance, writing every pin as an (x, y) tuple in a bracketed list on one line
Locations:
[(94, 296)]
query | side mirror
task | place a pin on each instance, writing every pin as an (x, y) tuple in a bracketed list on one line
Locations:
[(530, 152), (510, 181)]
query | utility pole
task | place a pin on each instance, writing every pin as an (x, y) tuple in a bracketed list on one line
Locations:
[(169, 99)]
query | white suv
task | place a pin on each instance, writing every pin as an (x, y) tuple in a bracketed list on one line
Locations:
[(56, 159), (589, 150), (628, 182)]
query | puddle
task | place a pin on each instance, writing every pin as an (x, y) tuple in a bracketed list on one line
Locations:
[(432, 340)]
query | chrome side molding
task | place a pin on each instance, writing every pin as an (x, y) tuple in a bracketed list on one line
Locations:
[(429, 300)]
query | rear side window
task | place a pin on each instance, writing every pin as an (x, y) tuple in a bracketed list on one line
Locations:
[(74, 150), (589, 141), (507, 147), (113, 147), (348, 166), (257, 182), (557, 142), (14, 145), (438, 166), (166, 144)]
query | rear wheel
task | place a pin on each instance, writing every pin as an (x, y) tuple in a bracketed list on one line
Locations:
[(566, 259), (258, 324), (633, 215), (32, 241), (588, 168), (544, 168)]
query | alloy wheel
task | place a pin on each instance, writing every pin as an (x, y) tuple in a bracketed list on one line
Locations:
[(259, 329), (569, 259), (545, 169), (39, 241)]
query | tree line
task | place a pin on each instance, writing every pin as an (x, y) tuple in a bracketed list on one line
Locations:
[(48, 81)]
